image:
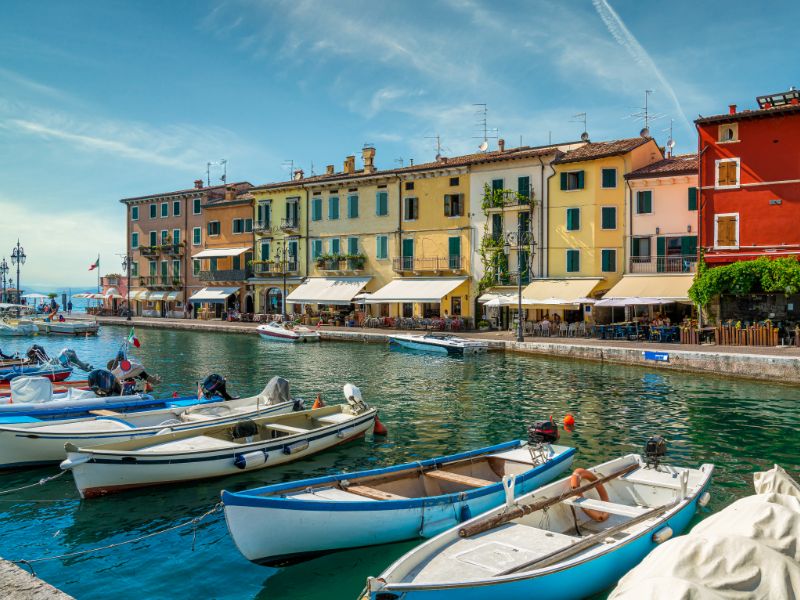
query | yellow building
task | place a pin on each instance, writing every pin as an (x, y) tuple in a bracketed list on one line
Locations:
[(587, 219)]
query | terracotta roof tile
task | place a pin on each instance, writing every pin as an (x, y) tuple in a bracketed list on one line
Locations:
[(682, 164), (214, 189), (776, 111), (595, 150)]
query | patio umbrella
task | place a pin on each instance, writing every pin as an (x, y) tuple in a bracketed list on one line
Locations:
[(34, 296)]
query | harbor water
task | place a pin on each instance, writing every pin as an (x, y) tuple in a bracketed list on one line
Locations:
[(431, 405)]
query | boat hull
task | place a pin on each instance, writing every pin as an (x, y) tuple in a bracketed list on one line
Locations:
[(53, 374), (275, 531)]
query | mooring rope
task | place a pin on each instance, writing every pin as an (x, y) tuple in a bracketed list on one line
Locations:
[(193, 522), (40, 482)]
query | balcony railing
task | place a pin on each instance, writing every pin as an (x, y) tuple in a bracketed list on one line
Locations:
[(262, 226), (173, 249), (442, 263), (150, 250), (511, 279), (344, 264), (159, 281), (270, 269), (290, 224), (675, 263), (505, 199), (224, 275)]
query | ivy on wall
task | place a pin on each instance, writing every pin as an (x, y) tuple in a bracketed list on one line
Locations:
[(763, 275)]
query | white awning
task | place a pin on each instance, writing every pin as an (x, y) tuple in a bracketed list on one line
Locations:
[(560, 292), (156, 296), (220, 252), (213, 295), (174, 297), (416, 289), (639, 289), (112, 293), (139, 295), (327, 290)]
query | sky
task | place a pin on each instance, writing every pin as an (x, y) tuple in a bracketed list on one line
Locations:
[(101, 100)]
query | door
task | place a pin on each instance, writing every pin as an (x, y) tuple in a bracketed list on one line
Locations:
[(454, 252), (497, 227), (688, 253), (408, 254), (293, 246), (661, 254)]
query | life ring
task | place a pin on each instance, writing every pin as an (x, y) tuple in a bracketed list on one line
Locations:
[(575, 482)]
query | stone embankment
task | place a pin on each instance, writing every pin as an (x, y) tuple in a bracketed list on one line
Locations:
[(774, 364), (19, 584)]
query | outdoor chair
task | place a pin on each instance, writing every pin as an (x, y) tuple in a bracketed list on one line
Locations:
[(572, 330), (563, 329), (582, 332), (545, 329)]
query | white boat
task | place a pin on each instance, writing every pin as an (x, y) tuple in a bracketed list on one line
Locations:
[(440, 343), (218, 450), (69, 327), (290, 522), (286, 332), (553, 543), (17, 327), (30, 441)]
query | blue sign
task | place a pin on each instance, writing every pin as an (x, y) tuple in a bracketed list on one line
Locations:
[(657, 356)]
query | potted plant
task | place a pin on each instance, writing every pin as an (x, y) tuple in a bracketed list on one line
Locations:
[(483, 325)]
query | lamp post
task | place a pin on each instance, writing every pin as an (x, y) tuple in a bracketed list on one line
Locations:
[(18, 257), (4, 273), (518, 240), (127, 261)]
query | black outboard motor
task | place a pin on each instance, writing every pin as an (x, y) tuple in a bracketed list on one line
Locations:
[(543, 432), (5, 356), (654, 450), (68, 357), (214, 385), (37, 354), (104, 383)]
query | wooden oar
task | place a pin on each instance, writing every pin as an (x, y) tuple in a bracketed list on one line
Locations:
[(587, 542), (520, 510)]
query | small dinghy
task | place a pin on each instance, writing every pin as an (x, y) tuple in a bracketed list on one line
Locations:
[(27, 441), (556, 542), (286, 332), (218, 450), (439, 343), (291, 522)]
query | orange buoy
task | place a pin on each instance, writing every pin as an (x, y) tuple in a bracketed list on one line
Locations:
[(379, 428), (318, 403), (575, 482), (569, 420)]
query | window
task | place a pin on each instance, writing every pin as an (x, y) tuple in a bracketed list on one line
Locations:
[(608, 217), (454, 205), (692, 198), (608, 260), (196, 206), (497, 227), (316, 245), (134, 240), (153, 211), (728, 133), (316, 209), (382, 204), (409, 185), (264, 214), (164, 237), (382, 247), (176, 236), (410, 209), (134, 269), (644, 202), (176, 269), (134, 213), (352, 245), (238, 226), (573, 261), (248, 225), (265, 247), (728, 172), (333, 208), (213, 228), (408, 254), (176, 208), (197, 236), (455, 306), (640, 249), (153, 268), (293, 211), (454, 252), (453, 181), (352, 207), (164, 209), (726, 230), (154, 238), (497, 185), (572, 180), (609, 178), (573, 219), (524, 186), (334, 247), (196, 267)]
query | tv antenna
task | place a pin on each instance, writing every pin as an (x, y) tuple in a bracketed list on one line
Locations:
[(482, 112), (645, 115), (222, 163), (670, 140), (581, 118), (439, 147), (399, 160), (289, 163)]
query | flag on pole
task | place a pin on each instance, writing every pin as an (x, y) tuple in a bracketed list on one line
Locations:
[(132, 339), (94, 265), (199, 391)]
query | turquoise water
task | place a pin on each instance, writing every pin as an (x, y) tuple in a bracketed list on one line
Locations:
[(431, 406)]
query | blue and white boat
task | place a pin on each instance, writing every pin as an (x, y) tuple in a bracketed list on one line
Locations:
[(295, 521), (439, 343), (553, 543)]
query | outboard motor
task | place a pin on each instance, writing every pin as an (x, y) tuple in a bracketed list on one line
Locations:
[(215, 385), (37, 354), (5, 356), (104, 383), (67, 357), (654, 450)]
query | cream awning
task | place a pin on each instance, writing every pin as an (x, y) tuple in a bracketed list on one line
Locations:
[(416, 289), (139, 295), (156, 296), (560, 292), (174, 297), (641, 289), (213, 295), (327, 290), (497, 295), (220, 252)]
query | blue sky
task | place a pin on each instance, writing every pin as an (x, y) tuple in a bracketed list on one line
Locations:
[(102, 100)]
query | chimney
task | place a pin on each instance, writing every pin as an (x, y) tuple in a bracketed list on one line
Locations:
[(230, 192), (198, 184), (732, 109), (412, 162), (329, 170), (501, 143), (441, 159), (368, 154), (298, 174), (349, 165)]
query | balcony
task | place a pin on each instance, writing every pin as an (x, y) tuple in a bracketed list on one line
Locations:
[(271, 269), (150, 250), (512, 279), (224, 275), (173, 249), (291, 224), (160, 282), (500, 199), (674, 263), (432, 265), (341, 264), (262, 226)]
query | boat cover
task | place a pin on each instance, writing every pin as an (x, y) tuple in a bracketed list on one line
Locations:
[(31, 389), (276, 391), (748, 550)]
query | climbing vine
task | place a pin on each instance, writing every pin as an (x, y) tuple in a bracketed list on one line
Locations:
[(763, 275)]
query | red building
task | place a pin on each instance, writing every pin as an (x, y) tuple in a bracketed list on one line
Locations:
[(749, 180)]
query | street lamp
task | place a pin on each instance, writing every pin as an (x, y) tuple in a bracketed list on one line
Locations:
[(18, 257), (4, 273), (518, 240), (127, 261)]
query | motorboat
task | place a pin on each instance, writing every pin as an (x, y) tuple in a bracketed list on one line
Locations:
[(287, 332), (69, 327), (290, 522), (439, 343), (556, 542), (17, 327), (27, 441), (48, 371), (38, 364), (217, 450)]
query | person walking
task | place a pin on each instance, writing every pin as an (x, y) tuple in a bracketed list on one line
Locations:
[(69, 307)]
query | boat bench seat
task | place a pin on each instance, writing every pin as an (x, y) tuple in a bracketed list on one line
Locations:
[(669, 485), (102, 412), (458, 478), (612, 508), (334, 419), (374, 493), (286, 428)]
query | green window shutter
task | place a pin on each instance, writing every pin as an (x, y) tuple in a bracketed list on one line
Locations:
[(580, 180), (335, 247), (573, 261), (573, 219), (524, 186), (692, 198), (609, 178), (237, 262), (563, 181), (408, 247), (447, 205), (497, 184), (648, 202), (176, 236), (382, 204), (333, 208), (609, 261), (689, 245), (609, 217), (661, 253), (454, 246), (352, 245)]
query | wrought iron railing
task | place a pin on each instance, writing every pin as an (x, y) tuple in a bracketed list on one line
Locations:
[(224, 275), (675, 263), (438, 263)]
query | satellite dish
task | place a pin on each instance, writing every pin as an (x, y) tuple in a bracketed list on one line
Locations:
[(484, 146), (645, 132), (670, 143), (585, 136)]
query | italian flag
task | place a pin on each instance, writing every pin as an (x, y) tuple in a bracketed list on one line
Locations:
[(132, 339), (94, 265)]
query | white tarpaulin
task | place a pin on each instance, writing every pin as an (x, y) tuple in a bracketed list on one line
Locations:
[(213, 295), (327, 290), (220, 252), (748, 550), (416, 289)]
